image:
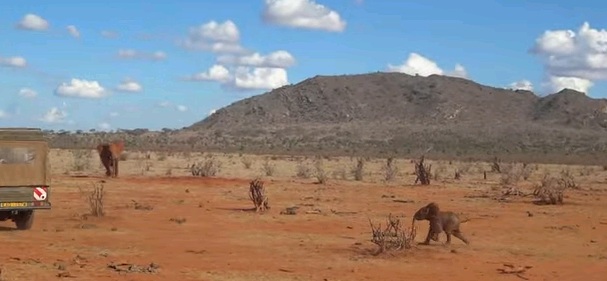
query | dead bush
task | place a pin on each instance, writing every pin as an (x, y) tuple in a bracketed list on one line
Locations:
[(207, 168), (95, 200), (526, 171), (268, 169), (551, 190), (495, 165), (319, 172), (393, 237), (511, 175), (247, 162), (390, 170), (81, 159), (359, 169), (422, 172), (257, 194), (303, 170), (568, 179)]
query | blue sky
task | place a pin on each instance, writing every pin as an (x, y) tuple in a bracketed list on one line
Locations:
[(146, 64)]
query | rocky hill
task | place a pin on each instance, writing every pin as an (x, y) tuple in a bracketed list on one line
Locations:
[(394, 113), (382, 114)]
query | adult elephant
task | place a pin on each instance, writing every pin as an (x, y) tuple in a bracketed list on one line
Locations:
[(109, 153)]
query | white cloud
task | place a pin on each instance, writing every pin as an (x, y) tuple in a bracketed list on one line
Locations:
[(27, 93), (217, 72), (3, 114), (164, 104), (54, 115), (556, 84), (281, 59), (133, 54), (417, 64), (13, 62), (214, 37), (521, 85), (212, 111), (260, 77), (303, 14), (114, 114), (129, 85), (33, 22), (73, 31), (567, 54), (78, 88), (109, 34), (104, 126), (459, 71), (244, 77), (159, 55), (182, 108)]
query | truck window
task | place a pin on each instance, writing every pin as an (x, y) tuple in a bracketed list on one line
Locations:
[(17, 155)]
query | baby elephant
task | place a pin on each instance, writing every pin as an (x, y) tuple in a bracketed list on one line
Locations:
[(439, 221)]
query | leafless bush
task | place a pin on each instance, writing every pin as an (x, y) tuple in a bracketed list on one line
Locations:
[(422, 172), (319, 172), (359, 169), (257, 194), (526, 171), (207, 168), (390, 170), (392, 237), (247, 162), (268, 168), (550, 191), (95, 199), (495, 165), (511, 175), (81, 159), (303, 170), (568, 179)]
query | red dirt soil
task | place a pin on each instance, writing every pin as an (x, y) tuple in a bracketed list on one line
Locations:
[(220, 241)]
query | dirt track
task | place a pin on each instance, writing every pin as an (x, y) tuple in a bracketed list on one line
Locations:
[(219, 241)]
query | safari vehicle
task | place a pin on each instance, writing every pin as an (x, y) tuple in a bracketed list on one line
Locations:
[(24, 175)]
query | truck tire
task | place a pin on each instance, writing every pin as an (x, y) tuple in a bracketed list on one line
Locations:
[(24, 220)]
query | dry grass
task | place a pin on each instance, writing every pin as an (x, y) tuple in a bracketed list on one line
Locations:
[(331, 222)]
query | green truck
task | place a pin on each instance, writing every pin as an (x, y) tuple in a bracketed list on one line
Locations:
[(24, 175)]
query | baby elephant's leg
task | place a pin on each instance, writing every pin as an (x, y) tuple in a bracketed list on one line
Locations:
[(436, 228), (457, 233)]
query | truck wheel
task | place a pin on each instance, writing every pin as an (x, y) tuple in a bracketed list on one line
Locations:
[(24, 220)]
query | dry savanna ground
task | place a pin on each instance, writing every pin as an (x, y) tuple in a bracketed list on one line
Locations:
[(160, 222)]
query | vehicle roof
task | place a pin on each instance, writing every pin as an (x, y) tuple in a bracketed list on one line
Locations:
[(21, 134)]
